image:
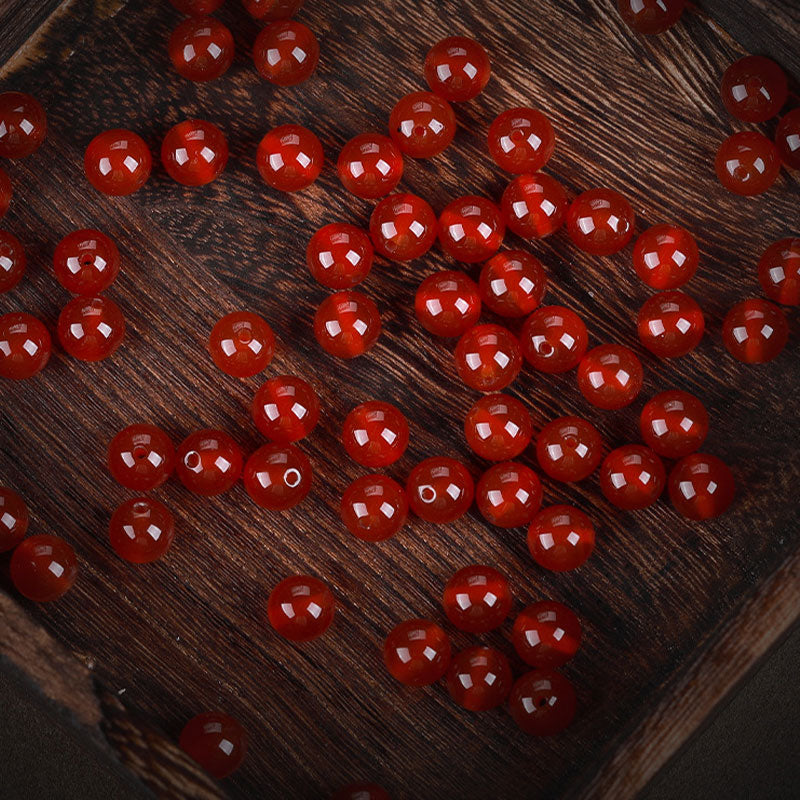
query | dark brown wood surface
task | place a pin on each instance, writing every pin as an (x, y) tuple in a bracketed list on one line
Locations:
[(673, 612)]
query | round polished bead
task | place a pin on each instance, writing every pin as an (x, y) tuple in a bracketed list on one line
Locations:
[(301, 608), (339, 256), (600, 221), (787, 139), (86, 262), (779, 271), (370, 165), (269, 10), (471, 229), (23, 125), (91, 328), (521, 140), (141, 457), (754, 89), (542, 702), (290, 158), (477, 599), (241, 344), (457, 68), (217, 742), (534, 206), (701, 486), (553, 339), (194, 152), (13, 519), (513, 283), (610, 376), (43, 568), (422, 124), (632, 477), (488, 357), (285, 409), (117, 162), (479, 678), (361, 791), (375, 434), (417, 652), (286, 52), (755, 331), (12, 261), (374, 508), (670, 324), (560, 538), (6, 193), (569, 449), (546, 634), (447, 303), (277, 476), (508, 494), (209, 462), (650, 16), (747, 163), (665, 256), (141, 530), (347, 324), (25, 345), (498, 427), (674, 423), (440, 489), (201, 49), (402, 227)]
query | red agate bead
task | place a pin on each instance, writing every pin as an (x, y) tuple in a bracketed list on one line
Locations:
[(479, 678), (534, 206), (513, 283), (560, 538), (569, 449), (141, 457), (194, 152), (6, 193), (488, 357), (755, 331), (521, 140), (600, 221), (471, 228), (347, 324), (447, 303), (361, 791), (290, 158), (553, 339), (339, 256), (25, 345), (417, 652), (546, 634), (747, 163), (301, 608), (542, 702), (477, 599), (141, 530), (198, 8), (269, 10), (422, 124), (12, 261), (217, 742), (209, 462), (43, 568), (375, 434), (13, 519), (201, 49), (286, 52), (665, 256), (117, 162), (632, 477), (402, 227), (285, 409), (277, 476), (754, 89), (650, 16), (508, 494), (779, 271), (457, 68), (701, 486), (374, 508), (674, 423), (670, 324), (370, 165), (241, 344), (91, 328), (610, 376), (86, 262), (498, 427), (787, 139), (23, 124), (440, 489)]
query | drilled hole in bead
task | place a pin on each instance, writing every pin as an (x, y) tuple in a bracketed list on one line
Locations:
[(140, 452), (192, 460), (244, 335), (517, 135), (419, 131), (86, 260)]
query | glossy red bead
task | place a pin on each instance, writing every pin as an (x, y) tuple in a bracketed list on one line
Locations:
[(117, 162), (457, 68), (665, 256), (670, 324), (508, 494), (197, 8), (374, 508), (632, 477), (447, 303), (201, 49), (194, 152), (285, 409), (754, 89), (498, 427), (13, 519), (91, 328), (6, 193), (339, 256), (370, 165), (417, 652), (650, 16), (569, 449), (471, 229), (534, 206), (290, 158), (241, 344), (25, 345), (542, 702), (86, 262), (560, 538), (217, 742), (479, 678), (674, 423), (513, 283), (141, 530), (488, 357), (546, 634), (301, 608), (440, 489), (141, 457), (375, 434), (286, 52), (43, 568), (553, 339), (277, 476), (347, 324), (521, 140), (610, 376), (779, 271), (12, 261), (755, 331), (600, 221), (361, 791), (701, 486), (477, 599), (23, 125), (747, 163), (787, 139), (208, 462), (422, 124), (268, 10), (402, 227)]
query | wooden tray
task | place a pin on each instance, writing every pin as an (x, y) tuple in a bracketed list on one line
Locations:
[(674, 613)]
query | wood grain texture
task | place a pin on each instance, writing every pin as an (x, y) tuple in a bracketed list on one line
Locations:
[(659, 596)]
